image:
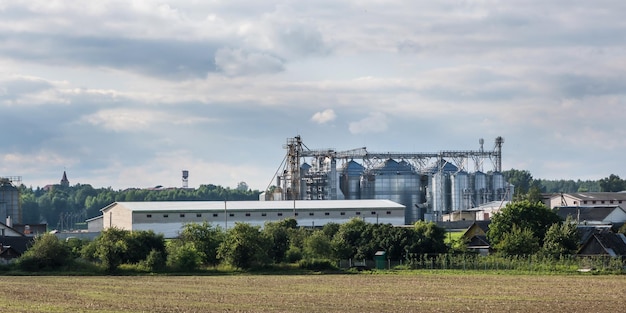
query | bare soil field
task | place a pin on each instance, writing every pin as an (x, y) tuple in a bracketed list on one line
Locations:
[(421, 292)]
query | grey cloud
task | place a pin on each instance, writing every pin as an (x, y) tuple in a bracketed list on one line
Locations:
[(13, 88), (302, 39), (169, 59), (238, 62), (579, 85)]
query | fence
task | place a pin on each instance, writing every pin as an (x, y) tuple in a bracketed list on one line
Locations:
[(472, 262)]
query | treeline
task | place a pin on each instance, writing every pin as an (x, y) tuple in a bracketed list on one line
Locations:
[(204, 246), (522, 229), (525, 184), (64, 207)]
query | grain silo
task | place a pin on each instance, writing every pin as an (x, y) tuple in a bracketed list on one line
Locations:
[(9, 202), (461, 193), (350, 180), (395, 181)]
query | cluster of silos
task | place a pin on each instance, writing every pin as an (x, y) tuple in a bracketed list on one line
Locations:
[(9, 203), (427, 194), (451, 189), (392, 180)]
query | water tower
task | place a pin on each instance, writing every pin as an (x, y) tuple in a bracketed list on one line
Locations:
[(185, 179)]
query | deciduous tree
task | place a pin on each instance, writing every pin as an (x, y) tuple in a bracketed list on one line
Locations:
[(535, 217)]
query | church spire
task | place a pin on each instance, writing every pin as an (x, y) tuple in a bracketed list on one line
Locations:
[(64, 181)]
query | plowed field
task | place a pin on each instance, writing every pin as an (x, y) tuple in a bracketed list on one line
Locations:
[(316, 293)]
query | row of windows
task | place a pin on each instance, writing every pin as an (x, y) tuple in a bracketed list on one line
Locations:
[(602, 201), (265, 214)]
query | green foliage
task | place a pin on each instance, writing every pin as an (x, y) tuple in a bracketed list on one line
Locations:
[(521, 179), (62, 207), (279, 235), (430, 237), (317, 264), (613, 183), (518, 241), (535, 217), (622, 230), (75, 246), (206, 239), (317, 245), (116, 246), (244, 247), (155, 261), (357, 239), (293, 255), (47, 253), (561, 239), (183, 256), (568, 186), (111, 247), (348, 239), (141, 243)]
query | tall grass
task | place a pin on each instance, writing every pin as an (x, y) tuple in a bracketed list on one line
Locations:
[(514, 264)]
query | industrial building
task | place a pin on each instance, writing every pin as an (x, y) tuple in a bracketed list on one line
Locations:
[(429, 185), (168, 217)]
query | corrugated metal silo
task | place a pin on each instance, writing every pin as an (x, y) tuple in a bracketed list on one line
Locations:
[(439, 192), (461, 195), (480, 187), (498, 186), (350, 180), (9, 202), (396, 181)]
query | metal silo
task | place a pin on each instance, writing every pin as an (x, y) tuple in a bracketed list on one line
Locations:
[(461, 195), (439, 193), (480, 188), (9, 202), (396, 181), (350, 180), (498, 186)]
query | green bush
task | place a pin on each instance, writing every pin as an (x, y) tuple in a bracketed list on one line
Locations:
[(183, 256), (155, 261), (47, 253), (317, 264), (293, 255)]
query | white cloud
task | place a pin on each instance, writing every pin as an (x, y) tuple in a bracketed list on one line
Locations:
[(130, 120), (223, 79), (376, 122), (324, 117)]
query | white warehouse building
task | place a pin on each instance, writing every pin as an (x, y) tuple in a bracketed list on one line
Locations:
[(168, 217)]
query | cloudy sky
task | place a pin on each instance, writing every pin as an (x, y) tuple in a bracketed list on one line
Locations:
[(129, 93)]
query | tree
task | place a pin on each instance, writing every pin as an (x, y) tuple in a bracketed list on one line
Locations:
[(518, 241), (348, 239), (140, 243), (242, 186), (430, 238), (47, 252), (535, 217), (111, 247), (317, 245), (205, 238), (244, 247), (183, 256), (561, 238), (279, 235), (521, 179), (612, 184)]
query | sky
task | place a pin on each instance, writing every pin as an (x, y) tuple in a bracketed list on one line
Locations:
[(129, 93)]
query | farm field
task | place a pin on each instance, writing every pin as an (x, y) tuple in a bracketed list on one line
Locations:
[(420, 292)]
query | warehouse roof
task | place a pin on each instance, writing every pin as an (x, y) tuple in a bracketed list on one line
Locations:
[(149, 206)]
